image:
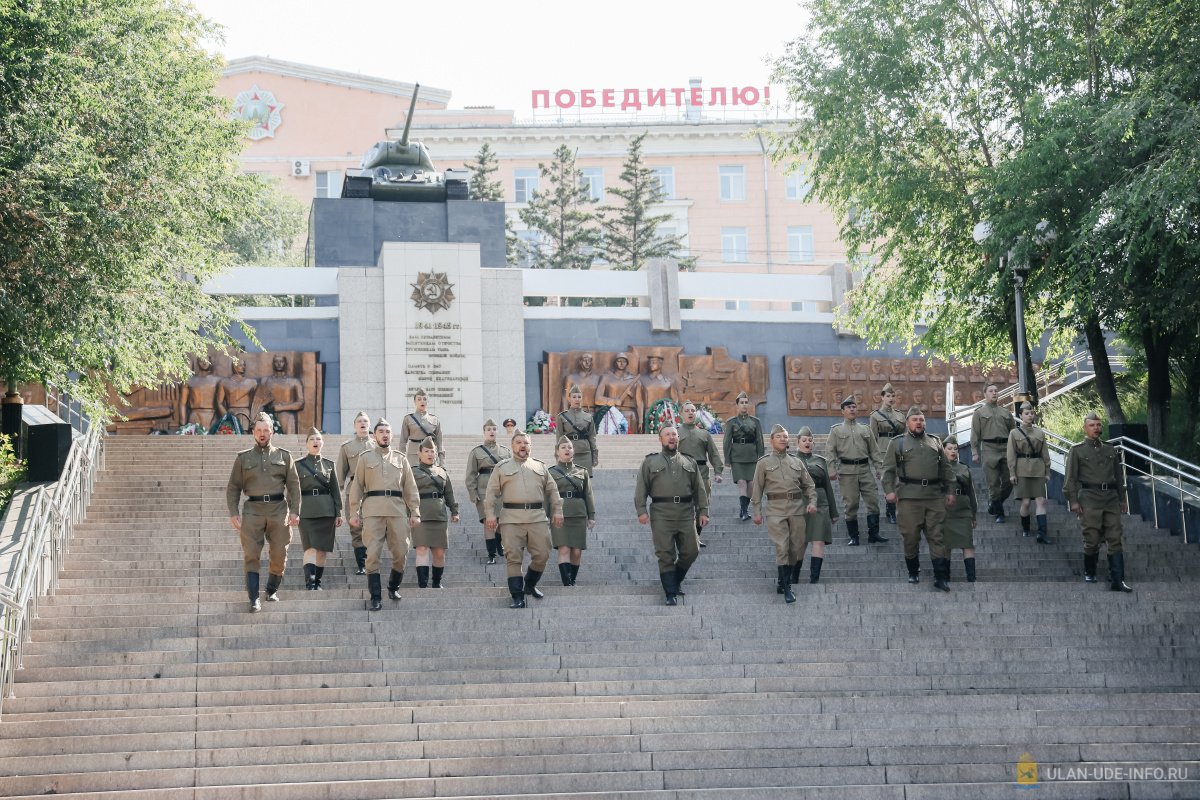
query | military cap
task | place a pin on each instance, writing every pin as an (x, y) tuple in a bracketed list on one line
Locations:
[(914, 411), (742, 396), (1025, 407), (575, 389), (849, 401), (804, 431), (777, 428), (364, 415), (379, 423), (887, 388), (1092, 417), (686, 403), (510, 419), (263, 416), (562, 439), (419, 393), (489, 422), (428, 444), (313, 432)]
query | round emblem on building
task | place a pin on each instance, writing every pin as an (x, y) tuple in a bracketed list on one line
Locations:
[(432, 291), (260, 108)]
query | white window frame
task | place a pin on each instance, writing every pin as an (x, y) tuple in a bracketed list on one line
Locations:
[(592, 179), (666, 181), (323, 187), (732, 183), (735, 245), (796, 185), (525, 183), (800, 244)]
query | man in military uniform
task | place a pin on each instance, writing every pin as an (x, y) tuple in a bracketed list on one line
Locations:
[(578, 426), (917, 477), (1095, 489), (990, 425), (482, 459), (418, 425), (852, 454), (886, 422), (784, 493), (743, 445), (524, 489), (695, 441), (267, 476), (347, 461), (385, 502), (673, 483)]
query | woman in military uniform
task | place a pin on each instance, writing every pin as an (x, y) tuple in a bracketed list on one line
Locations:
[(578, 426), (437, 506), (743, 448), (320, 509), (958, 529), (1028, 467), (579, 510), (819, 528)]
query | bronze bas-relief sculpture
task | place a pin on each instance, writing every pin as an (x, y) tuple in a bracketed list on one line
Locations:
[(634, 380)]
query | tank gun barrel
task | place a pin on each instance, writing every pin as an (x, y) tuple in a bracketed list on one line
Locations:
[(412, 107)]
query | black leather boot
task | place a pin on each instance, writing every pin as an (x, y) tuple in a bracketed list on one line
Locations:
[(969, 568), (914, 569), (1116, 573), (670, 587), (360, 561), (1041, 523), (785, 583), (564, 570), (374, 589), (852, 532), (516, 588), (680, 574), (941, 574), (532, 576), (394, 584), (744, 508), (491, 548), (796, 571), (873, 536), (1090, 560), (309, 570), (252, 591), (699, 530), (422, 578), (814, 568), (1024, 524), (318, 573), (435, 577), (499, 544), (273, 582), (1000, 511), (890, 509), (574, 573)]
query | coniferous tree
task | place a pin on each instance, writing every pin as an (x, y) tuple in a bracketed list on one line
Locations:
[(568, 234), (484, 186), (631, 234)]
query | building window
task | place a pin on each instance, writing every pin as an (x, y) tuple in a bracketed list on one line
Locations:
[(527, 247), (796, 184), (737, 305), (666, 181), (733, 245), (800, 243), (733, 183), (525, 183), (592, 179), (329, 183), (804, 305)]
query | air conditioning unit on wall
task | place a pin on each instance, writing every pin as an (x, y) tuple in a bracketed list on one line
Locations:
[(300, 168)]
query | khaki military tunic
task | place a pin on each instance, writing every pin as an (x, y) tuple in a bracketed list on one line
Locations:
[(1028, 461), (437, 506), (819, 526), (885, 423), (783, 490), (990, 425), (677, 494), (852, 453), (384, 494), (480, 462), (696, 442), (916, 469), (414, 429), (267, 476), (1094, 480), (958, 532), (347, 460), (743, 445), (320, 504), (580, 428), (526, 497), (575, 488)]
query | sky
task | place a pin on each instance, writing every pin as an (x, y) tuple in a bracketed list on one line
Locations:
[(497, 54)]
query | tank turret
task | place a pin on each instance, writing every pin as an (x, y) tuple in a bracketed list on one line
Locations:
[(401, 170)]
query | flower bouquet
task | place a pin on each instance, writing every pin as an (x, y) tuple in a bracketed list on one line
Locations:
[(540, 422)]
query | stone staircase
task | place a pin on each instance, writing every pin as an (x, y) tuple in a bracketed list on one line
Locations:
[(147, 678)]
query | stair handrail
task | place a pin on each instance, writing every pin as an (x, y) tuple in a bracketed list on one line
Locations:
[(44, 533)]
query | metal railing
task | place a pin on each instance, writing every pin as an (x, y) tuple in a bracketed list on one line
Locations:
[(43, 537)]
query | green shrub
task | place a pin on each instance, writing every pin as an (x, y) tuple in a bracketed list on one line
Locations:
[(12, 472)]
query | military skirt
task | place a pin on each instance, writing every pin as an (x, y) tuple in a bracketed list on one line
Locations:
[(316, 533), (818, 527), (956, 531), (572, 534), (1027, 488), (430, 534)]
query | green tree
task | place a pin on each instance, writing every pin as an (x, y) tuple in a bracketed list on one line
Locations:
[(118, 182), (568, 234), (484, 186), (631, 234), (266, 232)]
